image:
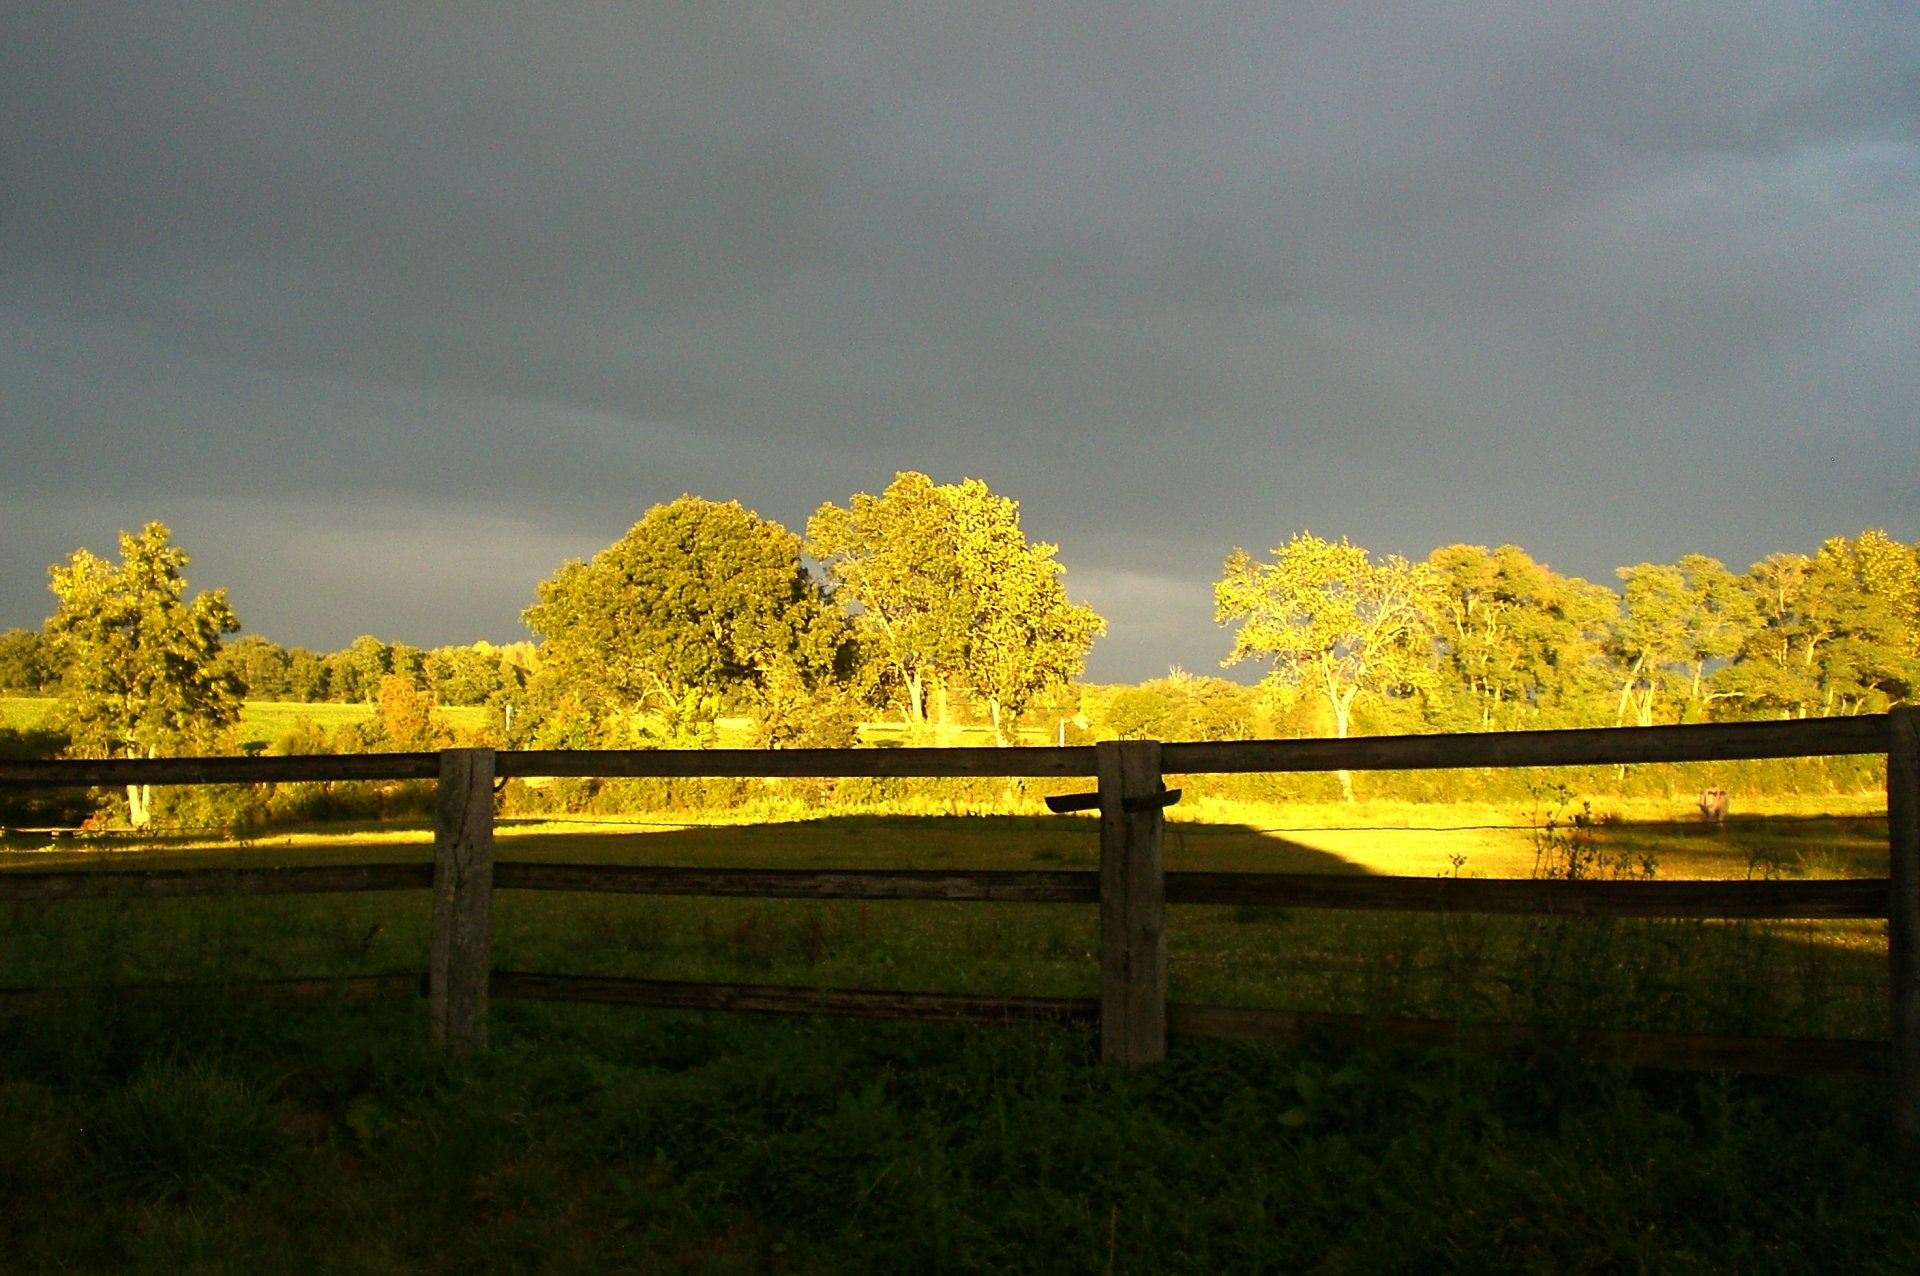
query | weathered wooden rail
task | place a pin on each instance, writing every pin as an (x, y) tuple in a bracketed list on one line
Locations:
[(1132, 887)]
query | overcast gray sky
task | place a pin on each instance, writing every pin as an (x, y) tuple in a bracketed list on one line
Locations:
[(389, 309)]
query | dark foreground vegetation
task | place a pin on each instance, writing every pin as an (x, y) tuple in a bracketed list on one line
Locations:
[(209, 1138), (194, 1132)]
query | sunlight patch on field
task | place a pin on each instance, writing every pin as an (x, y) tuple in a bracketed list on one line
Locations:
[(22, 713)]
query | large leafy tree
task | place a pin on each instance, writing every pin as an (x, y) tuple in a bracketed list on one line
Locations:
[(698, 603), (1517, 640), (259, 665), (896, 555), (1890, 572), (952, 593), (142, 676), (1833, 634), (1676, 620), (1332, 619), (1024, 634), (469, 675)]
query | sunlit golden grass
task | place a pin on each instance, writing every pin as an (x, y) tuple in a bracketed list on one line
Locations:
[(1787, 978), (1789, 835), (23, 713), (261, 721), (1824, 837)]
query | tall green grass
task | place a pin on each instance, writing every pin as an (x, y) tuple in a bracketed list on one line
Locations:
[(200, 1134), (587, 1140)]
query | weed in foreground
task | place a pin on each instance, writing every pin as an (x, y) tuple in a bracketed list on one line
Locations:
[(181, 1128)]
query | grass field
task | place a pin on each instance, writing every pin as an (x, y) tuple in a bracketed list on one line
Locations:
[(207, 1136), (1812, 979), (24, 712), (264, 721), (261, 721)]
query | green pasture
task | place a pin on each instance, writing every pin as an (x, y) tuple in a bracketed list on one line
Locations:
[(261, 721), (203, 1135), (23, 713), (1788, 978)]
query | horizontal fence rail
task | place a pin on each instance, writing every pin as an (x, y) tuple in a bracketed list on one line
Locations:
[(165, 883), (294, 769), (1131, 887), (350, 990), (1071, 761), (1005, 886), (1595, 746), (784, 999), (1851, 898), (1590, 746), (1828, 900)]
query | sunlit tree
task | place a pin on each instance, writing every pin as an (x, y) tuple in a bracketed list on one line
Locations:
[(29, 664), (1675, 620), (1516, 639), (1331, 618), (699, 602), (951, 593), (142, 663)]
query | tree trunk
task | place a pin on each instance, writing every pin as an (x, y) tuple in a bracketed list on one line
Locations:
[(1342, 714), (1626, 692), (140, 805), (140, 797), (916, 715), (942, 715)]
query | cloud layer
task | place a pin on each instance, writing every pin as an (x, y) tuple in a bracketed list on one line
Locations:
[(390, 311)]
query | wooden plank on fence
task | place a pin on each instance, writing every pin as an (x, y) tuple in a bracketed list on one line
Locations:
[(113, 772), (782, 999), (349, 990), (1004, 886), (1702, 742), (1133, 923), (1050, 761), (165, 883), (1591, 746), (1685, 1052), (1859, 897), (1903, 924), (462, 949)]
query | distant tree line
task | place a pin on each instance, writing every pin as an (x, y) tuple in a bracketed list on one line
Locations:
[(921, 598), (927, 605), (1476, 639), (33, 664)]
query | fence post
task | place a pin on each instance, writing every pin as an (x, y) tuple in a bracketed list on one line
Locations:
[(1133, 933), (460, 964), (1903, 922)]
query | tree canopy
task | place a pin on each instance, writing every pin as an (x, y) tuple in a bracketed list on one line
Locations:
[(952, 593), (142, 674), (1518, 644), (698, 602), (28, 662), (1332, 618)]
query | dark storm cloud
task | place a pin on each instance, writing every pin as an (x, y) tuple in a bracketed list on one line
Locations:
[(1612, 282)]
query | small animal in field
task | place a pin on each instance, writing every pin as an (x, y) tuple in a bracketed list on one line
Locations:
[(1713, 804)]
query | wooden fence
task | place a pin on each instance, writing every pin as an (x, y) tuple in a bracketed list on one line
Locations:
[(1131, 887)]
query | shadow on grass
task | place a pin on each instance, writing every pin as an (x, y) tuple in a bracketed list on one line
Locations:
[(1760, 846)]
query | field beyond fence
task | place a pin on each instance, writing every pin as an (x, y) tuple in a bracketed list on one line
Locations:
[(1131, 887)]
